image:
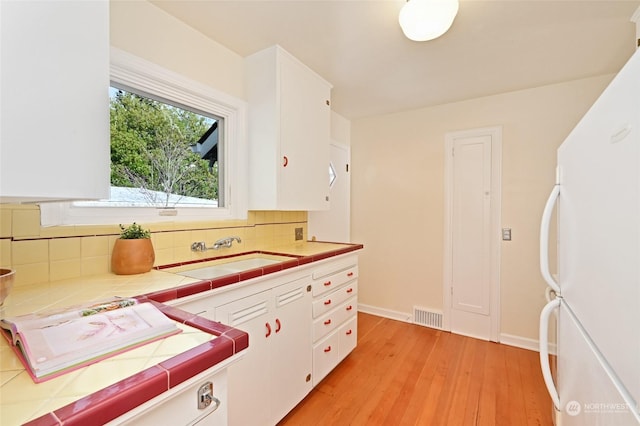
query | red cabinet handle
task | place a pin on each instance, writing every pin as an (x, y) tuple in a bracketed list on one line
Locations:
[(350, 274), (349, 308), (278, 325), (350, 290), (285, 161), (327, 349), (327, 322), (327, 283), (268, 329), (327, 302), (349, 332)]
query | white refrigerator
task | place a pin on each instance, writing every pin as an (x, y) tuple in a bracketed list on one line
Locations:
[(597, 286)]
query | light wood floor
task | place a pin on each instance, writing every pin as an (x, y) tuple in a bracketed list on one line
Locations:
[(405, 374)]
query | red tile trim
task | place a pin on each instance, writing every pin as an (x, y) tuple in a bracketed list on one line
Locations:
[(224, 281), (48, 419), (162, 295), (115, 400), (189, 289), (209, 326), (240, 339), (196, 360)]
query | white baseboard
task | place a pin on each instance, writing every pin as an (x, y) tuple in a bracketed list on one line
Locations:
[(524, 343), (386, 313), (505, 339)]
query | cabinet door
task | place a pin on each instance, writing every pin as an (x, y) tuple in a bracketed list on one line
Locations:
[(289, 133), (291, 358), (249, 384), (304, 133), (54, 108)]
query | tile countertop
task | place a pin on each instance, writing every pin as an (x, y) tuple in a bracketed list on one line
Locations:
[(102, 391)]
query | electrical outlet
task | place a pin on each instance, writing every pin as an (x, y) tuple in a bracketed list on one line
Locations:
[(299, 234), (506, 234)]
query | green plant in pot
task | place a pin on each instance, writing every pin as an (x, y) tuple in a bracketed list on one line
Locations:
[(132, 252)]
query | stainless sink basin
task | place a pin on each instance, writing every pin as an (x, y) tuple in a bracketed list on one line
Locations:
[(227, 267)]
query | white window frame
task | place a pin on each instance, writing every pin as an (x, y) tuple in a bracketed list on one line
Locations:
[(137, 73)]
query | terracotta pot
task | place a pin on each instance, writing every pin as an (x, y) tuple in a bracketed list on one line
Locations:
[(132, 256)]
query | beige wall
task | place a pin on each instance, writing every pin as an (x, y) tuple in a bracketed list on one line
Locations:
[(148, 32), (397, 194)]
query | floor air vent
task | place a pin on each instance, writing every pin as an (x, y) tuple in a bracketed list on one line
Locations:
[(426, 317)]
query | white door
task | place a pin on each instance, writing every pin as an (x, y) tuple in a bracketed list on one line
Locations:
[(333, 224), (473, 210)]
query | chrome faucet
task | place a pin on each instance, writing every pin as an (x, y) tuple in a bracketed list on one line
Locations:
[(223, 242)]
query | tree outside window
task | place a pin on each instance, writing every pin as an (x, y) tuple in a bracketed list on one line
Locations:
[(162, 155)]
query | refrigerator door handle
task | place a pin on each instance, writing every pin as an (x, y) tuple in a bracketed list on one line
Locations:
[(544, 350), (544, 238)]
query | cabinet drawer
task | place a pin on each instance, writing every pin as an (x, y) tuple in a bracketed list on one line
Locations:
[(324, 284), (326, 355), (332, 320), (180, 406), (333, 299), (348, 337)]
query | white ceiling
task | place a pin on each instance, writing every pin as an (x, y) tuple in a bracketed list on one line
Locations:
[(493, 46)]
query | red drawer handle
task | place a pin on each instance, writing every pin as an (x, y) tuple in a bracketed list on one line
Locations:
[(327, 283), (285, 161), (278, 325), (349, 332), (327, 302), (268, 329), (349, 308), (350, 290), (327, 349), (327, 322), (350, 274)]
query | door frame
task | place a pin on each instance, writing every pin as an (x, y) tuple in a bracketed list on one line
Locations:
[(496, 207)]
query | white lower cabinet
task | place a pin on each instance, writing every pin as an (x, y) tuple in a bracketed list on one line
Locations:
[(301, 324), (335, 320), (180, 405), (275, 372), (328, 352)]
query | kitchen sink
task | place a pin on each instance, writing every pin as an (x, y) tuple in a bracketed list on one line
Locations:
[(229, 266)]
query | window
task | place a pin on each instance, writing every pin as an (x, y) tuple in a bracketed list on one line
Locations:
[(163, 155), (210, 182)]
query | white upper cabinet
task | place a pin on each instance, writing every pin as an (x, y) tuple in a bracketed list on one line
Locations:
[(289, 133), (54, 108)]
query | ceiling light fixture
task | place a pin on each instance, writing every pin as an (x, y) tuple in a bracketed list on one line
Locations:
[(423, 20)]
